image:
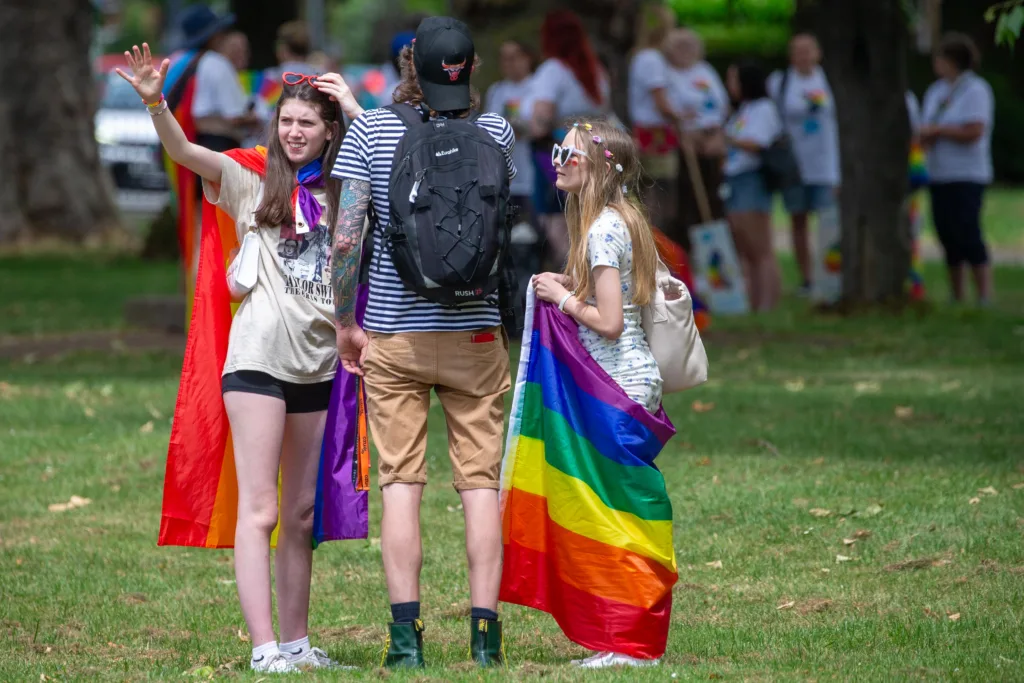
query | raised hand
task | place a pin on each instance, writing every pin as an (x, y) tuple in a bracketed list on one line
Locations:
[(147, 80), (334, 85)]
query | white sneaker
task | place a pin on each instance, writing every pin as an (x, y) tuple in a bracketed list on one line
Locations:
[(314, 658), (603, 660), (272, 664)]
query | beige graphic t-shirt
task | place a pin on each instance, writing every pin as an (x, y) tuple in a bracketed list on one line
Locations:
[(285, 326)]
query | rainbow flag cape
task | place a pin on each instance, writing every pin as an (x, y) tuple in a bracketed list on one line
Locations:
[(586, 518), (675, 257), (200, 498)]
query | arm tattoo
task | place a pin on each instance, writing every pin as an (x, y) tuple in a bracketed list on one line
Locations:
[(355, 198)]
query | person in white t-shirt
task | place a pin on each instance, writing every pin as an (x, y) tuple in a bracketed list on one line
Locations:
[(653, 119), (803, 95), (750, 130), (958, 114), (570, 82), (221, 110), (697, 93), (508, 98), (280, 361)]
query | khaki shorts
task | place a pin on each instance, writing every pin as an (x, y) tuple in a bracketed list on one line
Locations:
[(470, 379)]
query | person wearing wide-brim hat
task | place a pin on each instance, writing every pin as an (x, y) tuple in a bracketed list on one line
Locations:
[(217, 116), (219, 105)]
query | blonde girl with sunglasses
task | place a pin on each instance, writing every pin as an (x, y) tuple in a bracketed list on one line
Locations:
[(610, 273)]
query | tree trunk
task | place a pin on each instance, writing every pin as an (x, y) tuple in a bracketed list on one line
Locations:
[(865, 44), (611, 23), (259, 20), (51, 181)]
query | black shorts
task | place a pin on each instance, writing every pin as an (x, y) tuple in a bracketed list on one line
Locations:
[(298, 398), (956, 210)]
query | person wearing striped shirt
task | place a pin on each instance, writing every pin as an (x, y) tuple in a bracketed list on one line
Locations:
[(409, 345)]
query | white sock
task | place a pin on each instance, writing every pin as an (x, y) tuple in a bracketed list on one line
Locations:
[(296, 648), (265, 650)]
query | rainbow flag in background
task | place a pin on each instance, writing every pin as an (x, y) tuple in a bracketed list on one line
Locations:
[(263, 84), (675, 257), (917, 171), (200, 490), (916, 167), (586, 518)]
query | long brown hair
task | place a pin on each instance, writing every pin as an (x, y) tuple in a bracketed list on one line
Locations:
[(409, 91), (279, 181), (603, 188)]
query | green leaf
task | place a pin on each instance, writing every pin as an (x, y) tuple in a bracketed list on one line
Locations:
[(1015, 20), (990, 14)]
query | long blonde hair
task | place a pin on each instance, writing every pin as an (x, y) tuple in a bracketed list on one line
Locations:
[(604, 186)]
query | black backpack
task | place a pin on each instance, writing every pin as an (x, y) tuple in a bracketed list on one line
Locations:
[(778, 162), (449, 189)]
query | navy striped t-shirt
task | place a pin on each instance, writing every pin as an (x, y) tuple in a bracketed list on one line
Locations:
[(367, 154)]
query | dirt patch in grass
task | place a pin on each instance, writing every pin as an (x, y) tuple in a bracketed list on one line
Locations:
[(363, 635), (49, 346), (919, 563), (814, 606)]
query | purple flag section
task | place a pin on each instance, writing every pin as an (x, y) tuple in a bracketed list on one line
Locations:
[(341, 512)]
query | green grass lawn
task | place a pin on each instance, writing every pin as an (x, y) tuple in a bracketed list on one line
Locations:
[(1002, 219), (902, 435)]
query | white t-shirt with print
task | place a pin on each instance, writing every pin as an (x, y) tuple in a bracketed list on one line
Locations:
[(758, 122), (648, 71), (218, 91), (810, 115), (628, 359), (968, 100), (555, 82), (509, 100), (699, 90), (285, 325)]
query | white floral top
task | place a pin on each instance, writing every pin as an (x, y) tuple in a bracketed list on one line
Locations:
[(628, 359)]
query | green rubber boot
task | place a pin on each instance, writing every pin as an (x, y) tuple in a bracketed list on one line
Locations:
[(404, 649), (485, 643)]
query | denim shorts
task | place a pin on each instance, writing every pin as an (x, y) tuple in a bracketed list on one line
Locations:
[(808, 198), (747, 192)]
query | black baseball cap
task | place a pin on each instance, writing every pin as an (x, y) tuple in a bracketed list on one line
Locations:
[(443, 54)]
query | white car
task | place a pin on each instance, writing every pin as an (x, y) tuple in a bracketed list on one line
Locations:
[(129, 147)]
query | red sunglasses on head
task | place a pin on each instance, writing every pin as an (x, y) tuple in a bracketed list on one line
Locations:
[(295, 78)]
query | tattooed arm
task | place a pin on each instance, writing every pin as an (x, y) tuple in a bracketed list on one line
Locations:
[(348, 233)]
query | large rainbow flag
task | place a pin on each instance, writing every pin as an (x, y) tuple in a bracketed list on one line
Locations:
[(586, 518), (200, 492)]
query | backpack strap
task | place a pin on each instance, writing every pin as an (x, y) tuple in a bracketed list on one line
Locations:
[(410, 115)]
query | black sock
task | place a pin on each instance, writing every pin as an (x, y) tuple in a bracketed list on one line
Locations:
[(483, 613), (405, 612)]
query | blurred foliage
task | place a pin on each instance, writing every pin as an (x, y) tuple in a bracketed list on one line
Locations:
[(738, 27), (365, 27), (721, 11)]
